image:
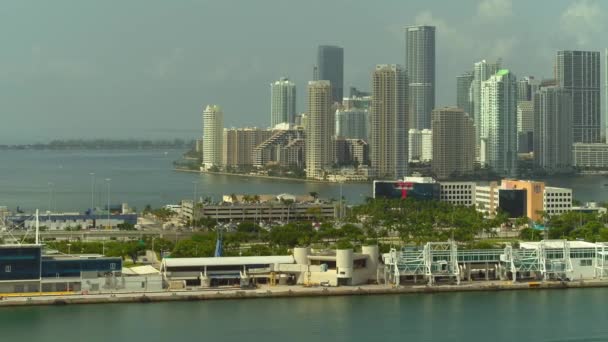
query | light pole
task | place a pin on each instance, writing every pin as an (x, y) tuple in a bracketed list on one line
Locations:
[(108, 181), (69, 248), (194, 205), (50, 205), (92, 190)]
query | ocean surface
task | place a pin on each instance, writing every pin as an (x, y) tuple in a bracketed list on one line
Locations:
[(539, 315), (61, 180)]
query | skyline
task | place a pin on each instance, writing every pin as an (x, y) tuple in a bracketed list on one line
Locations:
[(150, 74)]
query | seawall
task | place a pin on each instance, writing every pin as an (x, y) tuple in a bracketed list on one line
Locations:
[(284, 292)]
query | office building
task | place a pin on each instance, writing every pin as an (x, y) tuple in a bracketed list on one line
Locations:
[(553, 129), (354, 152), (590, 156), (388, 122), (282, 101), (352, 123), (458, 193), (482, 72), (420, 66), (453, 143), (463, 92), (213, 136), (498, 148), (239, 144), (420, 145), (557, 201), (526, 88), (330, 67), (578, 72), (319, 130), (525, 126)]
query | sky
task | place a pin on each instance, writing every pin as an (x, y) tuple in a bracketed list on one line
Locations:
[(145, 69)]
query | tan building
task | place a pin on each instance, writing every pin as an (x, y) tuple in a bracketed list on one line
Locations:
[(535, 195), (319, 129), (388, 122), (453, 143), (239, 144), (286, 148), (213, 127)]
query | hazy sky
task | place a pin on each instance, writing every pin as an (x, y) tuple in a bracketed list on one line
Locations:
[(146, 68)]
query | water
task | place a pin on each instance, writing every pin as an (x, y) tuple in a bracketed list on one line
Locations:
[(137, 177), (146, 177), (553, 315)]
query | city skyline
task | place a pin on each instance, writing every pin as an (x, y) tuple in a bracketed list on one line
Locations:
[(150, 83)]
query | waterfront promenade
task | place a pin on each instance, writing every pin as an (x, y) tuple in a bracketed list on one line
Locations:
[(288, 291)]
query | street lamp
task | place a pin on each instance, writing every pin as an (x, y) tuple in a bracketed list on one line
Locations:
[(50, 205), (92, 190), (194, 204), (108, 182)]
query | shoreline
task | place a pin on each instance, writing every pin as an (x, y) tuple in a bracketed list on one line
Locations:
[(287, 292), (301, 180)]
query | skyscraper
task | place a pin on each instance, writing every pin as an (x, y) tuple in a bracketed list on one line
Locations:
[(553, 129), (282, 101), (319, 129), (388, 122), (239, 144), (578, 72), (420, 66), (352, 123), (213, 136), (499, 123), (453, 143), (463, 92), (483, 70), (330, 67), (525, 124), (526, 88)]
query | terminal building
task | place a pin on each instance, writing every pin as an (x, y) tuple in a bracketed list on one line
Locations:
[(28, 269), (304, 267)]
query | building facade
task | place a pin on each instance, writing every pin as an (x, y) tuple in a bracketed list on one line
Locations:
[(420, 145), (578, 72), (352, 123), (213, 136), (286, 148), (351, 151), (498, 148), (420, 66), (282, 101), (239, 144), (527, 87), (553, 129), (525, 125), (330, 67), (319, 129), (453, 143), (463, 92), (590, 156), (388, 122), (458, 193), (557, 201), (482, 72)]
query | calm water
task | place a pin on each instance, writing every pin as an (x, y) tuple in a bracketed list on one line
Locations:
[(146, 177), (558, 315)]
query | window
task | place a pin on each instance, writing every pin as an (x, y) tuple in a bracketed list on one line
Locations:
[(586, 262), (7, 268), (112, 266)]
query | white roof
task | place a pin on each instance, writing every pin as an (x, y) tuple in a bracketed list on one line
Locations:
[(228, 261), (140, 270), (557, 244)]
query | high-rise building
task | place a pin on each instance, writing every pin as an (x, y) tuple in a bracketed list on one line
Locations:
[(526, 88), (286, 148), (483, 70), (553, 129), (213, 136), (351, 151), (578, 72), (330, 67), (282, 101), (420, 66), (498, 148), (453, 143), (463, 92), (525, 125), (352, 123), (388, 122), (239, 144), (420, 145), (606, 93), (319, 129)]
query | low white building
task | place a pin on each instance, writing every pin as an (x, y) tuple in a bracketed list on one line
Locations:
[(590, 155), (557, 200), (458, 193)]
